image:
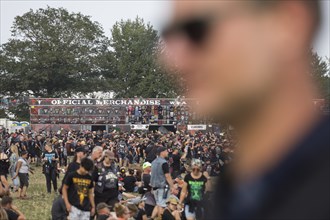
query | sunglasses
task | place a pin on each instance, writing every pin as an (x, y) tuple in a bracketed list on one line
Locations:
[(195, 29), (196, 169)]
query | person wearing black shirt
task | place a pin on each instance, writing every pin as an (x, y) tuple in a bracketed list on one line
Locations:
[(130, 181), (151, 152), (193, 192), (80, 153), (171, 211), (264, 87), (176, 163), (31, 148), (78, 192), (106, 180), (50, 159), (12, 211)]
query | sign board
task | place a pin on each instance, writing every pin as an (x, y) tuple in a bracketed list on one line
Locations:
[(103, 102), (196, 127), (140, 127)]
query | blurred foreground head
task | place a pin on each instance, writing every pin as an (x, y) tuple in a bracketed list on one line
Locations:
[(247, 62), (236, 55)]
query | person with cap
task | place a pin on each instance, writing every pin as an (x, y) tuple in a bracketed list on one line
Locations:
[(133, 210), (161, 180), (106, 180), (80, 153), (145, 189), (171, 212), (140, 203), (22, 171), (193, 190), (103, 212), (145, 178)]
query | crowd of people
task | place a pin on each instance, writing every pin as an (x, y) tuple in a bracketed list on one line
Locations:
[(116, 175)]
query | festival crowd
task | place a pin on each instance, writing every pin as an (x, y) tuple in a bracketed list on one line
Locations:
[(115, 175)]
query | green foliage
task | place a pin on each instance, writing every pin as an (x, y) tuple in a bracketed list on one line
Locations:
[(131, 66), (3, 113), (21, 112), (52, 53), (320, 73)]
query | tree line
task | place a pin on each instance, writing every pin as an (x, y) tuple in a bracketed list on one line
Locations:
[(54, 53)]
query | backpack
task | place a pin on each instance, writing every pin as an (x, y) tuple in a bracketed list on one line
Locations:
[(106, 180)]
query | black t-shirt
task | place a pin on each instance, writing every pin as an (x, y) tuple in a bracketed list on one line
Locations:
[(78, 189), (140, 214), (12, 215), (146, 181), (151, 153), (196, 187), (49, 156), (176, 162), (167, 215), (166, 168), (102, 217), (73, 166), (129, 183)]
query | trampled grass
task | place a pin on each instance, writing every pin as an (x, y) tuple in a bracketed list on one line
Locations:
[(38, 205)]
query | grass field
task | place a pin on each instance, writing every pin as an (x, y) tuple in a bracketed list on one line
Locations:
[(39, 204)]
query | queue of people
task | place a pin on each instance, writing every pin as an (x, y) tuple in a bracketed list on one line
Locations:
[(136, 175)]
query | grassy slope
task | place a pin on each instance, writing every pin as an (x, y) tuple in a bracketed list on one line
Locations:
[(38, 206)]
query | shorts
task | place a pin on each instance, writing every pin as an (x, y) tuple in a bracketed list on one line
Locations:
[(160, 198), (77, 214), (189, 214), (23, 179)]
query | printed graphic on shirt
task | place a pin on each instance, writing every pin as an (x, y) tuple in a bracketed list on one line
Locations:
[(49, 156), (196, 190), (82, 186)]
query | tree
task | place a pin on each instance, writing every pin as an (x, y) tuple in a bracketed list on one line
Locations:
[(52, 53), (131, 67), (320, 73)]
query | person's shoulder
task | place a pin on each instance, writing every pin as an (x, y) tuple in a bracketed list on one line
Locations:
[(11, 214), (72, 174), (187, 177)]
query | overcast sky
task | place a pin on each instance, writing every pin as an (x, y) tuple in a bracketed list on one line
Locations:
[(107, 12)]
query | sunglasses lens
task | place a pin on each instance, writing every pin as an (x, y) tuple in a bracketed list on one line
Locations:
[(196, 30)]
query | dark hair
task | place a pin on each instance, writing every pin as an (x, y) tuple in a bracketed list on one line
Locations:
[(87, 164), (6, 200)]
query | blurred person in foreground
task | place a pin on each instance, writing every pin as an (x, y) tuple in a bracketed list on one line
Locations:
[(12, 211), (248, 64)]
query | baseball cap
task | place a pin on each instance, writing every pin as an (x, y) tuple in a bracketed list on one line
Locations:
[(80, 149), (172, 199), (102, 205), (161, 149), (145, 165)]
